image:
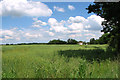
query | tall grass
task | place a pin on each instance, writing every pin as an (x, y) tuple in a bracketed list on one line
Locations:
[(58, 61)]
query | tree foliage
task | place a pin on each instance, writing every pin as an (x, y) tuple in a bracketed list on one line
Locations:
[(110, 11), (72, 41), (57, 42), (104, 39), (69, 41)]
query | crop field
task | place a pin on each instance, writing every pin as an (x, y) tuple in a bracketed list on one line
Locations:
[(58, 61)]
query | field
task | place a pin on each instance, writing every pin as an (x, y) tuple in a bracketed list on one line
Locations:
[(58, 61)]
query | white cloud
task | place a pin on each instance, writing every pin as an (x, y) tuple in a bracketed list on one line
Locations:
[(1, 39), (71, 7), (38, 23), (77, 27), (50, 33), (6, 32), (56, 26), (16, 34), (75, 35), (8, 37), (28, 35), (52, 21), (93, 22), (90, 34), (23, 8), (58, 9), (73, 31), (77, 19)]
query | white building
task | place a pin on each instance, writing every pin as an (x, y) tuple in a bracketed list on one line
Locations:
[(80, 43)]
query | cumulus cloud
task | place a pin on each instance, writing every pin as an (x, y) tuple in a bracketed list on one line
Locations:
[(56, 26), (16, 34), (90, 35), (93, 22), (71, 7), (38, 23), (28, 35), (23, 8), (77, 27), (50, 33), (7, 34), (75, 35), (58, 9), (77, 19)]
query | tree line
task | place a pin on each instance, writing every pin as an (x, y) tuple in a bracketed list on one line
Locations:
[(104, 39), (54, 41), (69, 41)]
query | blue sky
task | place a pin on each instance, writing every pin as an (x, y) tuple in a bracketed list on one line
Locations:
[(27, 21), (43, 21)]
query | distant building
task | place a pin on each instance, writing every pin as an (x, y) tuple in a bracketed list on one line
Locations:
[(80, 43)]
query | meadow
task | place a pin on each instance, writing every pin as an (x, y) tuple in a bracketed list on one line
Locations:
[(59, 61)]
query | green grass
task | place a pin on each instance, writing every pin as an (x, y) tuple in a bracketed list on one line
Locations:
[(58, 61)]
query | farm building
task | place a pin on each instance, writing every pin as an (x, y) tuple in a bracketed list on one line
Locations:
[(80, 43)]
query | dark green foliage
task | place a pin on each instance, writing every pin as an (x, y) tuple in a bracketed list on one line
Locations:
[(82, 70), (72, 41), (69, 41), (57, 42), (99, 54), (84, 43), (104, 39), (110, 11), (92, 41)]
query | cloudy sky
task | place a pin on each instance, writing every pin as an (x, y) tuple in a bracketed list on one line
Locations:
[(35, 21)]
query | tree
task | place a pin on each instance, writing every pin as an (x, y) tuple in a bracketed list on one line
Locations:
[(110, 11), (105, 38), (92, 41), (72, 41), (57, 42)]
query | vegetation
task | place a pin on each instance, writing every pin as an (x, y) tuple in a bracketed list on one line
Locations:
[(58, 61), (72, 41), (57, 42), (110, 11), (69, 41), (104, 39)]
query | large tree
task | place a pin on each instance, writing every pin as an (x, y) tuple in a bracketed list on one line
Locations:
[(57, 42), (92, 41), (72, 41), (110, 11)]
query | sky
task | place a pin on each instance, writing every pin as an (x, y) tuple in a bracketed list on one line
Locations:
[(34, 21)]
